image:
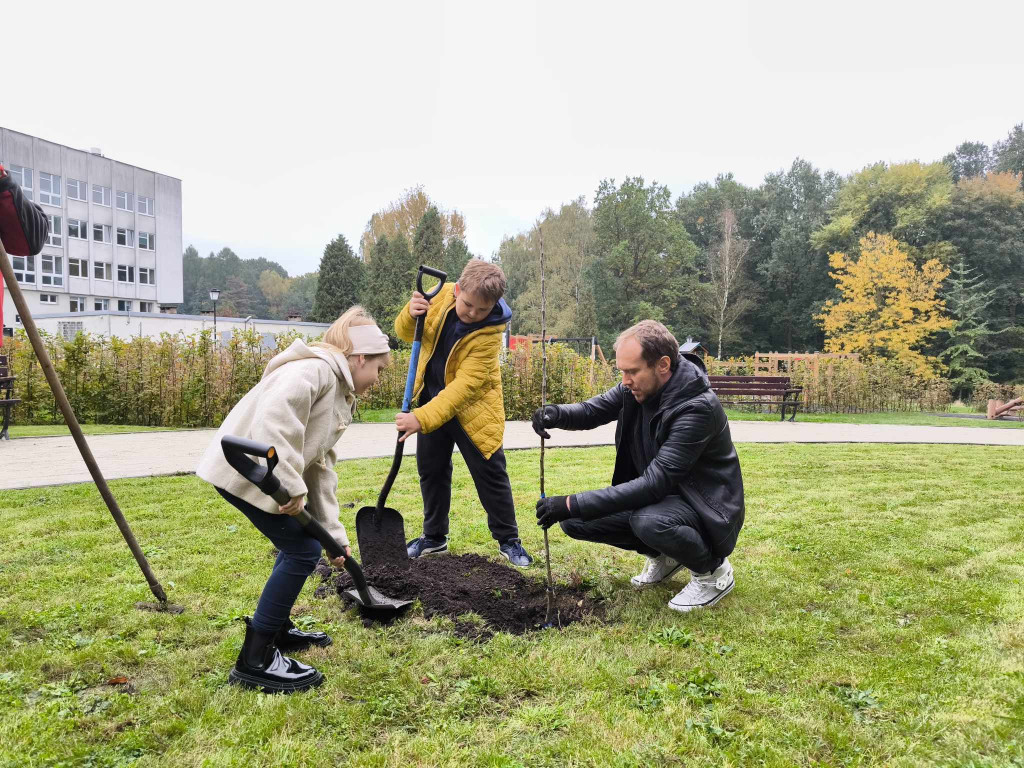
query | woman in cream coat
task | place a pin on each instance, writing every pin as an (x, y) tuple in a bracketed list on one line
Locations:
[(301, 406)]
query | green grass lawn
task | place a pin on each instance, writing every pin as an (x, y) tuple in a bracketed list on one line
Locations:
[(382, 415), (878, 619)]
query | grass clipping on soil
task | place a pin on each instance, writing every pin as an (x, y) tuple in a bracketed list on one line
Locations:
[(462, 587)]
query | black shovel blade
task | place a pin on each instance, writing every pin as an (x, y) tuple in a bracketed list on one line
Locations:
[(381, 607), (381, 537)]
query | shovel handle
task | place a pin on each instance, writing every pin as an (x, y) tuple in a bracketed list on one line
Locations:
[(414, 357), (237, 451), (334, 549), (425, 270)]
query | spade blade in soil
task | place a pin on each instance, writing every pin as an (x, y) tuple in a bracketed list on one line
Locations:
[(381, 536), (381, 607)]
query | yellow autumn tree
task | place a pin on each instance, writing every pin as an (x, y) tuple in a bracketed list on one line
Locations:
[(403, 215), (889, 307)]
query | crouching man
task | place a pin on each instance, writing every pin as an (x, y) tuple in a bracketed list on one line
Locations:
[(677, 492)]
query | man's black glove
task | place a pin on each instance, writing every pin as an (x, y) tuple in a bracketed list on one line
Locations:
[(544, 419), (553, 509)]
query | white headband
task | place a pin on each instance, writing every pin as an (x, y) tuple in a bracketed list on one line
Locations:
[(367, 340)]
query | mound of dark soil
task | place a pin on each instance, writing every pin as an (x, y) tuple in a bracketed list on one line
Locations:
[(456, 585)]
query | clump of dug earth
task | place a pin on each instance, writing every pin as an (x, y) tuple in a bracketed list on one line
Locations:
[(456, 585)]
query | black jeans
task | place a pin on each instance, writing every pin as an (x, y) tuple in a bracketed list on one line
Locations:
[(298, 554), (434, 461), (667, 527)]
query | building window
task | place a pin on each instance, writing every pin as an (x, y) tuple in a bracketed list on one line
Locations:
[(101, 305), (147, 276), (53, 270), (124, 201), (47, 298), (77, 190), (70, 328), (24, 268), (146, 206), (78, 303), (101, 195), (146, 306), (78, 229), (125, 273), (126, 237), (101, 233), (123, 305), (147, 241), (49, 189), (101, 270), (56, 236), (24, 178), (78, 268)]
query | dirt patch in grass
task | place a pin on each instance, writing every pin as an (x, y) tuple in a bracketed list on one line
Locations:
[(480, 595)]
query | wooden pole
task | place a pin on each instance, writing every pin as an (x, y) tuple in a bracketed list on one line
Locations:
[(76, 431), (543, 402)]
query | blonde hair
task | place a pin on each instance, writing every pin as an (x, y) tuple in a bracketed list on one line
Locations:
[(483, 278), (337, 335)]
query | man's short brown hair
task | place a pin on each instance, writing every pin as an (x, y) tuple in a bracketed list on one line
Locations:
[(655, 340), (485, 279)]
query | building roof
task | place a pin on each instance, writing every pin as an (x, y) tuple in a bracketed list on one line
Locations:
[(89, 152)]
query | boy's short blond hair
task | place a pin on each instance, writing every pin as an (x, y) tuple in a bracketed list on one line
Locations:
[(484, 279)]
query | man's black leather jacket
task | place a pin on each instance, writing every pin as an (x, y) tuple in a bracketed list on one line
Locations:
[(694, 456)]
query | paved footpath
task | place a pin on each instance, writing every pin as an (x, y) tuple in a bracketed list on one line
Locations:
[(39, 461)]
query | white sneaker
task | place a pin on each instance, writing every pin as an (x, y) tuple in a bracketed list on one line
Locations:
[(656, 571), (704, 589)]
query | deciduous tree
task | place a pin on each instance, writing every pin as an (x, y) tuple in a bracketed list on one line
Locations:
[(888, 307)]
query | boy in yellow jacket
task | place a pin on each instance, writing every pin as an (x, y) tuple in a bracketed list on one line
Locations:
[(458, 387)]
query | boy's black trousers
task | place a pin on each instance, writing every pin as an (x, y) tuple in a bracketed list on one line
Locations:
[(434, 461)]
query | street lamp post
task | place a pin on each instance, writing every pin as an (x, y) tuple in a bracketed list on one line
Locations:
[(214, 295)]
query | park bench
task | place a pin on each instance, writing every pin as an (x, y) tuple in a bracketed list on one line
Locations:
[(7, 399), (758, 390)]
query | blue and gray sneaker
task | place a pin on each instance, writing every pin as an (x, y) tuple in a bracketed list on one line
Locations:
[(513, 550), (426, 546)]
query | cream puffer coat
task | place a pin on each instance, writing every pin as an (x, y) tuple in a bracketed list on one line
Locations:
[(301, 406)]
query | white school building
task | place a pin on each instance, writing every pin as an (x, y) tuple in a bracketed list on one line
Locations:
[(115, 231)]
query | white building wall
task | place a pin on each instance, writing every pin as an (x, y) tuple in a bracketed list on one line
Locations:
[(128, 325)]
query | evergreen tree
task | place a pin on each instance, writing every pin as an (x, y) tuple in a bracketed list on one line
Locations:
[(427, 244), (392, 276), (341, 281), (967, 302), (456, 256)]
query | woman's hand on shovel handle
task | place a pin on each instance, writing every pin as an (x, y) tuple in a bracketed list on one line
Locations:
[(408, 423), (339, 562), (293, 507)]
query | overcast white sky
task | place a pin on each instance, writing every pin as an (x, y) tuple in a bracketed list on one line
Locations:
[(290, 122)]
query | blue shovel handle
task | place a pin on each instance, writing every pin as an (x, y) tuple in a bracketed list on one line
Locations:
[(410, 379), (417, 340)]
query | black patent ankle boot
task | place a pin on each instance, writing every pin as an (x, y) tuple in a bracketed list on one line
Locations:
[(290, 638), (261, 665)]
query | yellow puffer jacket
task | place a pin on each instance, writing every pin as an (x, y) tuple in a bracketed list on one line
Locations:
[(472, 376)]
